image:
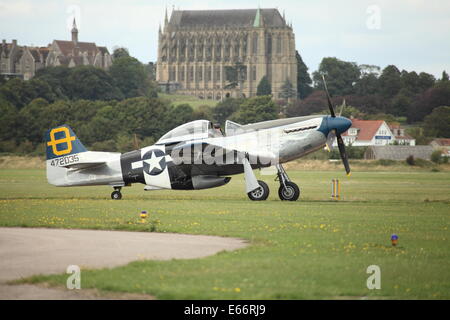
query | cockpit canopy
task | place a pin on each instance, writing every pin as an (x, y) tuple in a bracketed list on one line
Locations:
[(194, 130)]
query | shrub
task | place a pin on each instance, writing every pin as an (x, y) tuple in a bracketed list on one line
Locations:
[(386, 162), (436, 156), (410, 160)]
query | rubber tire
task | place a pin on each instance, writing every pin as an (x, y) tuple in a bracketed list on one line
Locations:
[(261, 196), (116, 195), (293, 192)]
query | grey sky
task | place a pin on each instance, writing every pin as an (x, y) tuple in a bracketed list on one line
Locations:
[(412, 34)]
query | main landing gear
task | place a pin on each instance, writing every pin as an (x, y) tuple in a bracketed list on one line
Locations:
[(116, 194), (260, 193), (288, 190)]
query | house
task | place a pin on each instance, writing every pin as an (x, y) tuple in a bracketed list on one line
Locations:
[(375, 133), (398, 152), (401, 137), (442, 144)]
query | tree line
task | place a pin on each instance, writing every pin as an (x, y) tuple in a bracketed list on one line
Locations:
[(115, 109), (370, 90)]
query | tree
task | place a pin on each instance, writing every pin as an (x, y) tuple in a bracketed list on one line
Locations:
[(120, 52), (400, 104), (225, 109), (88, 82), (314, 103), (410, 81), (437, 124), (287, 90), (424, 103), (304, 81), (390, 81), (340, 76), (367, 84), (255, 109), (264, 88), (426, 81), (130, 77), (444, 76)]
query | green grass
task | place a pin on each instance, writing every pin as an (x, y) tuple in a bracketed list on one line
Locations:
[(313, 248), (193, 101)]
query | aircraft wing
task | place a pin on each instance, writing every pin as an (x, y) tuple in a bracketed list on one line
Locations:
[(206, 157)]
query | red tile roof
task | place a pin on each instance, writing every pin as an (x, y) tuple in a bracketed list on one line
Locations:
[(442, 142), (367, 128), (68, 46)]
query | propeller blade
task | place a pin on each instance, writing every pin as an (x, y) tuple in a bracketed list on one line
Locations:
[(344, 156), (330, 106)]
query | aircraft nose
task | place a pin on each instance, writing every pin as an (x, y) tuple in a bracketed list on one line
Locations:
[(341, 124)]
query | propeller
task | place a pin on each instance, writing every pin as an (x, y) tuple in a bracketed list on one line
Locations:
[(334, 132)]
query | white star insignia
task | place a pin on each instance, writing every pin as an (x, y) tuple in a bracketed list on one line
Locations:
[(153, 162)]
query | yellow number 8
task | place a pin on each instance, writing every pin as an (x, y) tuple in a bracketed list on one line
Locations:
[(67, 139)]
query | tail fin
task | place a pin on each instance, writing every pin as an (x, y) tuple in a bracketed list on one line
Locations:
[(62, 141)]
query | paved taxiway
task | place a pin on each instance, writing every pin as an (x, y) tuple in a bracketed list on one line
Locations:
[(27, 251)]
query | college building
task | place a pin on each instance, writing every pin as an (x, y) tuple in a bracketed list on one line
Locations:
[(24, 61), (199, 49)]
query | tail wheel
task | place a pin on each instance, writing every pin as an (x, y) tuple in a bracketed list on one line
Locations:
[(116, 195), (260, 193), (290, 193)]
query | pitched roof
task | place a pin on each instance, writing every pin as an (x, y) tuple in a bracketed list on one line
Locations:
[(222, 18), (367, 128), (444, 142), (67, 47)]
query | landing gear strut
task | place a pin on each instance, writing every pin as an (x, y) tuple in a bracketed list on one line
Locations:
[(116, 195), (288, 190)]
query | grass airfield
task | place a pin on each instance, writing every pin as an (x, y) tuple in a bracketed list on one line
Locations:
[(314, 248)]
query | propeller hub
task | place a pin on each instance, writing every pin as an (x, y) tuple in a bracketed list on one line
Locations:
[(340, 124)]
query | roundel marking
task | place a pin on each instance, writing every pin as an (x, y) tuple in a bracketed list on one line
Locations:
[(154, 162)]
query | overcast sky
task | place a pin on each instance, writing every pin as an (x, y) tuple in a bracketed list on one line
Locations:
[(411, 34)]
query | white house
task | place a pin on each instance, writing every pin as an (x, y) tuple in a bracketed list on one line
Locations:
[(375, 133)]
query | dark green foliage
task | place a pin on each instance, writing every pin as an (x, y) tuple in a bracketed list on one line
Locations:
[(340, 76), (436, 156), (255, 109), (287, 90), (304, 81), (390, 81), (410, 160), (130, 77), (425, 102), (352, 152), (225, 109), (437, 124), (120, 52), (264, 88), (87, 82)]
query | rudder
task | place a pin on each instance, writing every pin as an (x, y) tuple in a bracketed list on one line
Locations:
[(62, 141)]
